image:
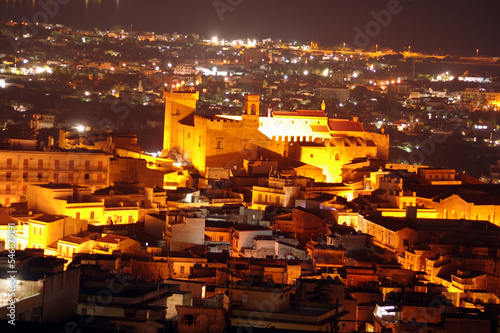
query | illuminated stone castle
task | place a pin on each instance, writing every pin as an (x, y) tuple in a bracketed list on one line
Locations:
[(226, 141)]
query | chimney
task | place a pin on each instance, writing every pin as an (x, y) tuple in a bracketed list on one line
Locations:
[(355, 118), (411, 213)]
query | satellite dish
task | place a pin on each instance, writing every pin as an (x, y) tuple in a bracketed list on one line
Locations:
[(202, 320)]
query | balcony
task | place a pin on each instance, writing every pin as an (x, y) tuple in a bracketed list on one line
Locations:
[(9, 179), (35, 179), (36, 167), (9, 167), (7, 194), (94, 169), (102, 182), (65, 167)]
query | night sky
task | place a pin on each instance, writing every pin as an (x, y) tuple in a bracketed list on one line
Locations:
[(443, 26)]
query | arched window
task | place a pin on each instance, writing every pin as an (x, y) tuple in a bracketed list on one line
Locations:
[(188, 320), (337, 157), (252, 109)]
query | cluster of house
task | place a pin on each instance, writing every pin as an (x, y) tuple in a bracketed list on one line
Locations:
[(404, 248), (269, 237)]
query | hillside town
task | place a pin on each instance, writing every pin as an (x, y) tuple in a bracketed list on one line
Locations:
[(176, 183)]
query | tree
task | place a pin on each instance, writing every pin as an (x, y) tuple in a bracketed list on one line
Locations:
[(320, 292)]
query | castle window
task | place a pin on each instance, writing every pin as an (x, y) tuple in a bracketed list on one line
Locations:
[(337, 157), (189, 135), (312, 155), (219, 143), (252, 109), (199, 141)]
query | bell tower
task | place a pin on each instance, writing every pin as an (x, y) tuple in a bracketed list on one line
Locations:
[(251, 111), (178, 105)]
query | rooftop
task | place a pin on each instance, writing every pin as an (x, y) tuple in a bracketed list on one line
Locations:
[(48, 218), (345, 125), (299, 113), (114, 239), (249, 227)]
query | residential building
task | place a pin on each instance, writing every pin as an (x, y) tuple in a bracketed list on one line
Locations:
[(18, 169)]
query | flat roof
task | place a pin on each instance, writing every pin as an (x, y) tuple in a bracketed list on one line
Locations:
[(48, 218)]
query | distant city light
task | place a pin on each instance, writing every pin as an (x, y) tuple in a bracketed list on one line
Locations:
[(87, 93), (306, 72), (80, 128), (2, 83)]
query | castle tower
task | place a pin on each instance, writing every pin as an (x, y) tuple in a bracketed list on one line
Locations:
[(251, 110), (178, 105)]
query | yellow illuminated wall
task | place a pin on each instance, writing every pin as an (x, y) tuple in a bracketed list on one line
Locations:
[(226, 141)]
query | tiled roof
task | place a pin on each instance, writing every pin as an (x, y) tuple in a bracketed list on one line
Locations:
[(75, 240), (386, 222), (311, 113), (342, 125), (320, 128), (299, 113)]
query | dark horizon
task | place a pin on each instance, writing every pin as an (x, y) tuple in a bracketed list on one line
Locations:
[(444, 27)]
